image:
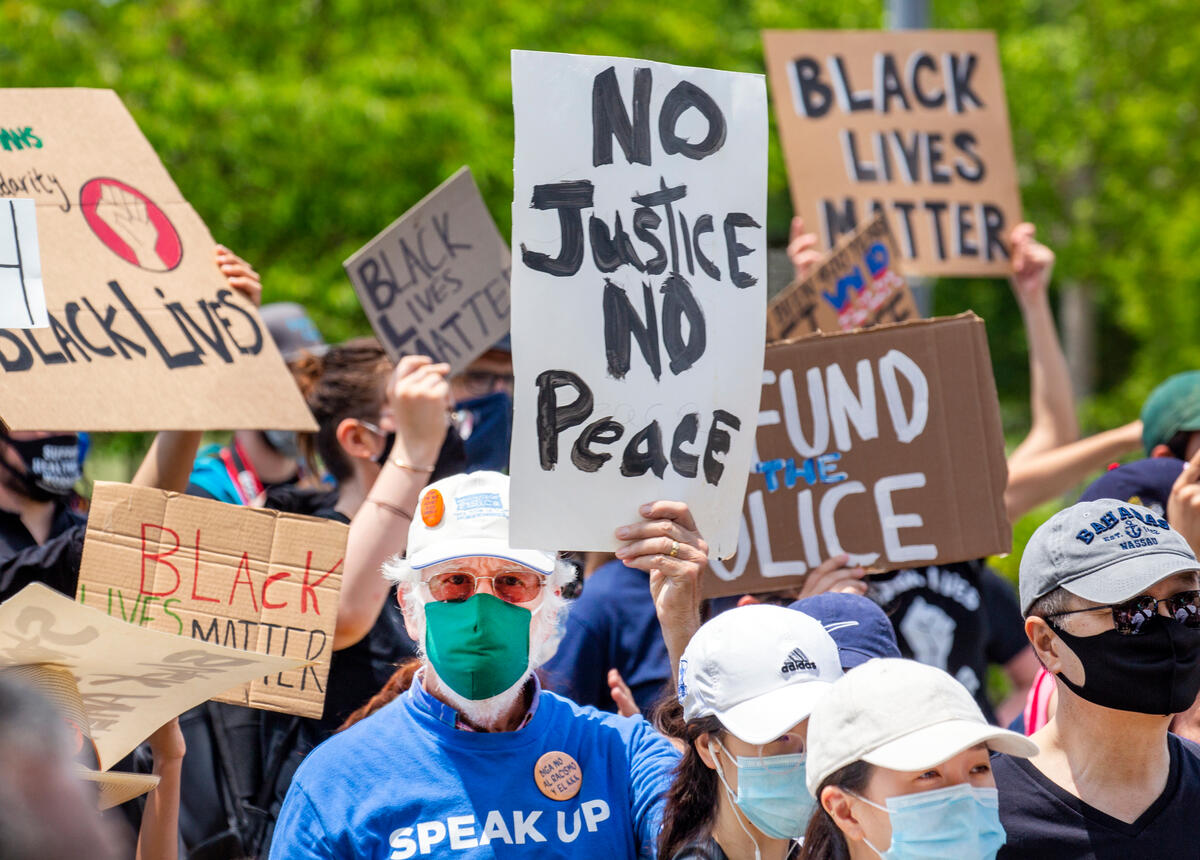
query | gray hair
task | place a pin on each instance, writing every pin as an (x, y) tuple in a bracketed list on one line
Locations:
[(1051, 603)]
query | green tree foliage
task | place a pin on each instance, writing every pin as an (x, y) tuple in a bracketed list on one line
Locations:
[(300, 128)]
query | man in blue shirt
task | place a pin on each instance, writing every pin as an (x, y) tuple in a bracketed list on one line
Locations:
[(474, 759)]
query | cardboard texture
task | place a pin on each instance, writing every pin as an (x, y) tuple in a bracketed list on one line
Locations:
[(249, 578), (912, 121), (144, 332), (857, 285), (639, 294), (885, 444), (22, 296), (435, 282), (131, 680)]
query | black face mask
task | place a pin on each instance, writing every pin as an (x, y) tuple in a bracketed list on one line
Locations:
[(1155, 672), (51, 465)]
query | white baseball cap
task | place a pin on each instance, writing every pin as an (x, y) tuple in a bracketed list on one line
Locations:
[(900, 715), (759, 669), (467, 515)]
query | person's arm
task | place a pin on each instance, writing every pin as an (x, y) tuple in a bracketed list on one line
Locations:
[(667, 545), (1052, 400), (418, 395), (802, 249), (158, 838), (1040, 478)]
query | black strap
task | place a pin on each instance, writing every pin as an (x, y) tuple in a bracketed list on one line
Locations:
[(234, 813), (261, 809)]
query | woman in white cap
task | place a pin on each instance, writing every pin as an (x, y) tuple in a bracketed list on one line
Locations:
[(899, 765), (748, 680)]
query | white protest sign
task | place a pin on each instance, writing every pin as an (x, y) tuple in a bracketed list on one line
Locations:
[(639, 294), (131, 680), (22, 297)]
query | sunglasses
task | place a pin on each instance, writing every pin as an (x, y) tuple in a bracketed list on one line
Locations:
[(1128, 617), (513, 587)]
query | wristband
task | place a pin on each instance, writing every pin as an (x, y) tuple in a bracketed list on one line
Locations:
[(400, 464)]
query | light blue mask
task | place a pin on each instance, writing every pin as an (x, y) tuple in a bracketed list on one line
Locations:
[(771, 793), (956, 823)]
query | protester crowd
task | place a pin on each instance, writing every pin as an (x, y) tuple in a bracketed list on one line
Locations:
[(490, 701)]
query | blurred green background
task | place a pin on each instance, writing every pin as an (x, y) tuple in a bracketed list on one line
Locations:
[(299, 130)]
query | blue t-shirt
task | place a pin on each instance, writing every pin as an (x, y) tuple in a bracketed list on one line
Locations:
[(405, 783), (612, 625)]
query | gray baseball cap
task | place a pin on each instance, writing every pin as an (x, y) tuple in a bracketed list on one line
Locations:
[(1106, 551)]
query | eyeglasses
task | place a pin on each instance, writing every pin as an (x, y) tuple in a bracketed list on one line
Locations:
[(477, 383), (512, 587), (1128, 617)]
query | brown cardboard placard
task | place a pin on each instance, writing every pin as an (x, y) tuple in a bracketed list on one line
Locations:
[(144, 332), (883, 443), (912, 121), (249, 578), (857, 285), (435, 282), (129, 680)]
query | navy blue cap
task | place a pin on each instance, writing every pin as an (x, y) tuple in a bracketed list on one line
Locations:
[(1143, 482), (858, 626)]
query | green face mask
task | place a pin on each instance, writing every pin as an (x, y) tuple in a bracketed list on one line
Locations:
[(479, 647)]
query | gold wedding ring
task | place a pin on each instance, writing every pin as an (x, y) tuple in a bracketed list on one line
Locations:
[(674, 548)]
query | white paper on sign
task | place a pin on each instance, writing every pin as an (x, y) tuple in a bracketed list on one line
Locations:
[(131, 680), (638, 294), (22, 297)]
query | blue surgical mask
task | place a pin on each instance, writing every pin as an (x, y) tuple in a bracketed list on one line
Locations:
[(956, 823), (486, 428), (771, 792)]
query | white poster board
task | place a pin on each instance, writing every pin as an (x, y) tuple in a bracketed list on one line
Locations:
[(638, 294), (22, 297)]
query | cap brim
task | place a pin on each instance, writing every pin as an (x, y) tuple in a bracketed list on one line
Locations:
[(764, 718), (116, 787), (542, 562), (1130, 577), (934, 744)]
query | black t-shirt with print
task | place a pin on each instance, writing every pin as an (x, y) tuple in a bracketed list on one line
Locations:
[(958, 617), (1046, 822)]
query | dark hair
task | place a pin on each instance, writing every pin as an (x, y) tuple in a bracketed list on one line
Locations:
[(348, 381), (400, 681), (692, 798), (1178, 444), (823, 840)]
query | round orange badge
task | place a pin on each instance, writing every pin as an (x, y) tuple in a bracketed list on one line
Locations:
[(433, 508), (558, 776)]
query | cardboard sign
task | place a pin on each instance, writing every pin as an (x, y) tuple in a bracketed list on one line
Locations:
[(857, 285), (131, 680), (144, 332), (435, 282), (910, 122), (22, 298), (247, 578), (884, 444), (638, 296)]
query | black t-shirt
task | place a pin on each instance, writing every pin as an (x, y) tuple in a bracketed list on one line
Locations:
[(56, 562), (700, 849), (1044, 820), (958, 617)]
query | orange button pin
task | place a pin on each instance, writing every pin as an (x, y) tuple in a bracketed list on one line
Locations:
[(558, 776), (433, 508)]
